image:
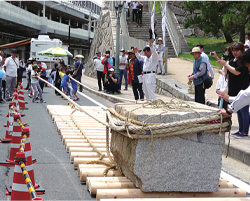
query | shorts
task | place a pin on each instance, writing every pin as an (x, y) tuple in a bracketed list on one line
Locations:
[(74, 91), (65, 89)]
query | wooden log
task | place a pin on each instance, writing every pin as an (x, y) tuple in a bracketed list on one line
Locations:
[(85, 149), (84, 173), (67, 141), (93, 186), (104, 179), (137, 193), (225, 185), (86, 155), (180, 199), (89, 166), (80, 136), (97, 145), (81, 160), (222, 180)]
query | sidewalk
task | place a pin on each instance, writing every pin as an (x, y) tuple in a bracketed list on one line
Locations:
[(178, 69)]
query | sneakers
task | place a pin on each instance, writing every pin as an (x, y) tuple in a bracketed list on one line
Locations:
[(241, 135), (30, 96), (115, 93), (42, 101), (235, 134), (2, 101), (34, 101)]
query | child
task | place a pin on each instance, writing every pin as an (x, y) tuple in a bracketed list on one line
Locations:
[(64, 84), (74, 86), (35, 85)]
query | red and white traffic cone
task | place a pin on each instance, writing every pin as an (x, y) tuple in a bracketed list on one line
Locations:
[(21, 100), (20, 190), (29, 164), (15, 141), (9, 126)]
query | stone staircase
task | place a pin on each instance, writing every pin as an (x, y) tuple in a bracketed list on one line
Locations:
[(143, 31)]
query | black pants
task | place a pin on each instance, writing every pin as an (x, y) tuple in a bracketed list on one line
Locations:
[(199, 94), (137, 89), (78, 78), (58, 86), (4, 87), (134, 15), (113, 87), (100, 78), (139, 17)]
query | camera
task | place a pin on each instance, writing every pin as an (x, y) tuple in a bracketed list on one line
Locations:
[(225, 56), (211, 53)]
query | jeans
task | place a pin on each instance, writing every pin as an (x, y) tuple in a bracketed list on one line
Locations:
[(199, 94), (125, 73), (243, 119), (137, 87), (37, 88), (78, 78), (100, 78), (10, 85), (1, 92)]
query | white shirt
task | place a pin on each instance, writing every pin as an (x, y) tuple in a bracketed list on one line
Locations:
[(209, 68), (98, 64), (125, 5), (240, 101), (123, 60), (248, 44), (11, 66), (135, 4), (149, 63)]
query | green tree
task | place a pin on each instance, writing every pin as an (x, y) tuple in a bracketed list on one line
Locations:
[(230, 17)]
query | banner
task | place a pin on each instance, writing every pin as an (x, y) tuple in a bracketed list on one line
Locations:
[(152, 22), (163, 24)]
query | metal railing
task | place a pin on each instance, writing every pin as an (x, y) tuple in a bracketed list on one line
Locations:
[(172, 31)]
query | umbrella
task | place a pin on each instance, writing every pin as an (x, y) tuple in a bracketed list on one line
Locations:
[(56, 52), (79, 56)]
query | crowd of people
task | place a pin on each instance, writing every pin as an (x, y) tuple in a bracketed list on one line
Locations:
[(12, 69), (233, 79)]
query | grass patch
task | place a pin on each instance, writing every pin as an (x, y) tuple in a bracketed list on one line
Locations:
[(210, 45)]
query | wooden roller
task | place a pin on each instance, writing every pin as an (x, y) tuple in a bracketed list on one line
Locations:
[(81, 160), (84, 173), (93, 186), (80, 136), (86, 155), (85, 149), (225, 185), (97, 145), (89, 166), (104, 179), (67, 141), (180, 199), (137, 193)]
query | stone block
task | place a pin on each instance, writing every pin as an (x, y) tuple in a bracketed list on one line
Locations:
[(181, 163)]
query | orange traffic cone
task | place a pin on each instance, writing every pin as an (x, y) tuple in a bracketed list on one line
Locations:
[(9, 130), (21, 100), (20, 190), (26, 147), (15, 141)]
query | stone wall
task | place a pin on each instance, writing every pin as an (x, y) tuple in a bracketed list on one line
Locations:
[(103, 39)]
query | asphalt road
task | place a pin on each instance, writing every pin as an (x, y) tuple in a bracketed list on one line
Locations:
[(53, 168)]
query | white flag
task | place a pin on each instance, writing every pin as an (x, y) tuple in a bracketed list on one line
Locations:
[(163, 24), (152, 22)]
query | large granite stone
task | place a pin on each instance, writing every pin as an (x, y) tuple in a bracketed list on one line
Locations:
[(183, 163)]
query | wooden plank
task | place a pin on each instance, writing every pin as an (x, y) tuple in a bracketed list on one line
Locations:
[(137, 193)]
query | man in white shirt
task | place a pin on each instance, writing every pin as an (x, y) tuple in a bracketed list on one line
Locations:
[(11, 65), (149, 67), (99, 69), (134, 8), (247, 43), (160, 49), (205, 57)]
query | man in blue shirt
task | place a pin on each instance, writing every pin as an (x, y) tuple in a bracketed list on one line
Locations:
[(78, 71)]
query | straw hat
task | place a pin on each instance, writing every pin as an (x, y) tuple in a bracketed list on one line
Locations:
[(196, 49)]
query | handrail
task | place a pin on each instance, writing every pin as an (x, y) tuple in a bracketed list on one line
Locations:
[(172, 31)]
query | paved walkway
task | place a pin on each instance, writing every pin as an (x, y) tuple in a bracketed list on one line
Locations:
[(178, 69)]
